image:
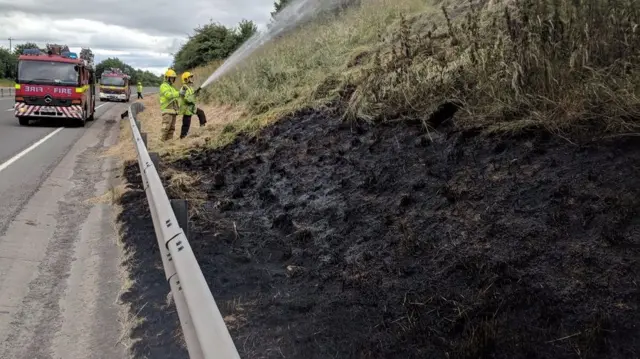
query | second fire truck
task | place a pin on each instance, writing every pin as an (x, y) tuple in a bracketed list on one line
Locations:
[(115, 86)]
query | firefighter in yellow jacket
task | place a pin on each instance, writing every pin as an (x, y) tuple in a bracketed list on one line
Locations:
[(188, 106), (169, 105)]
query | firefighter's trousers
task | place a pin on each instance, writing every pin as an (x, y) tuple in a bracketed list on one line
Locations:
[(168, 125)]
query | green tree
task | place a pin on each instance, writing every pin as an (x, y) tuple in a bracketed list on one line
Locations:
[(8, 62), (212, 42), (278, 6), (147, 78), (18, 49), (246, 29)]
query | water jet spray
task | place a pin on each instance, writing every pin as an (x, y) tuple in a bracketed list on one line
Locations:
[(295, 13)]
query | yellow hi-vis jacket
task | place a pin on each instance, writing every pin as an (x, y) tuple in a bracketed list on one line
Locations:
[(169, 98), (140, 88), (188, 101)]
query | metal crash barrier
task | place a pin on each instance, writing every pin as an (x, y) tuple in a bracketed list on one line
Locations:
[(7, 92), (205, 332)]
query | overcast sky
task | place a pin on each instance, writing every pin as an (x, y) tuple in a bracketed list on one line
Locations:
[(142, 33)]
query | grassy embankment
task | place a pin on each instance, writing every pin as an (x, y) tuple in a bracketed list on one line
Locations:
[(509, 66), (560, 64), (6, 83)]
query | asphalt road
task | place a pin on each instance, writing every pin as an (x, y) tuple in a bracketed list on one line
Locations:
[(59, 262)]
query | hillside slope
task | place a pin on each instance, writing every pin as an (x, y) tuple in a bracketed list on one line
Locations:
[(324, 240), (469, 191)]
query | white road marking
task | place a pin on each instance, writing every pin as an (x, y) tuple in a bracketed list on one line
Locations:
[(29, 149)]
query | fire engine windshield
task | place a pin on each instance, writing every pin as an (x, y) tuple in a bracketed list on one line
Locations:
[(47, 72), (112, 81)]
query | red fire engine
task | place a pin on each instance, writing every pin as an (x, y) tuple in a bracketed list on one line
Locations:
[(115, 85), (54, 85)]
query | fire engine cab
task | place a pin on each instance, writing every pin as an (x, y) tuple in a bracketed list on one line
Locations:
[(54, 85)]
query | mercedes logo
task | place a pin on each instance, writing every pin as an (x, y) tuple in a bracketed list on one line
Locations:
[(48, 99)]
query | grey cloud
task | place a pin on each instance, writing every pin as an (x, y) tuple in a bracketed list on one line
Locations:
[(175, 46), (173, 21), (114, 41), (44, 38), (162, 18), (104, 41), (138, 61)]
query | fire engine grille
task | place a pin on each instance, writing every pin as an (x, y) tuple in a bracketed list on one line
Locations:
[(112, 91), (40, 101)]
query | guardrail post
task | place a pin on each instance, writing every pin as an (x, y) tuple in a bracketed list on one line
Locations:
[(144, 139), (155, 158), (181, 210)]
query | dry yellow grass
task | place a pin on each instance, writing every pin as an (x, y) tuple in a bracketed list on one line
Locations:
[(218, 117), (110, 197), (179, 184), (124, 149), (508, 65), (202, 73), (308, 66)]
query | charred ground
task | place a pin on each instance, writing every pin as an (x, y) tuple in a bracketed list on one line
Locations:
[(324, 239), (157, 334)]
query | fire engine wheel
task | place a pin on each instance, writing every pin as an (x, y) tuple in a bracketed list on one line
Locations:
[(24, 121), (80, 122)]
